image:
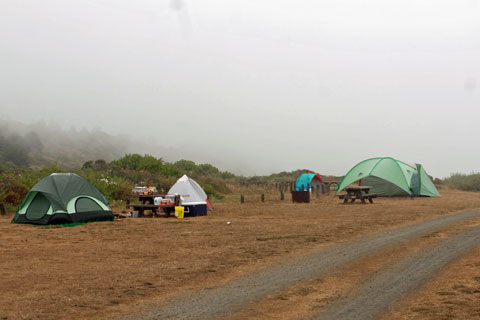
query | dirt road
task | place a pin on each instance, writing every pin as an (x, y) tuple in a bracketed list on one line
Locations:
[(223, 301), (385, 288)]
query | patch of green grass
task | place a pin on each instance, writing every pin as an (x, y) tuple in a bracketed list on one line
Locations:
[(177, 222), (69, 225), (52, 226), (276, 238), (65, 225), (10, 208)]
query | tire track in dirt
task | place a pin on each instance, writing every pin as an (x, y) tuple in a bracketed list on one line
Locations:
[(224, 300), (379, 292)]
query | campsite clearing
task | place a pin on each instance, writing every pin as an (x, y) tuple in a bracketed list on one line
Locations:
[(108, 269)]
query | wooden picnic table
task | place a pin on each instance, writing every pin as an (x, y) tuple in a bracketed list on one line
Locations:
[(166, 208), (357, 192)]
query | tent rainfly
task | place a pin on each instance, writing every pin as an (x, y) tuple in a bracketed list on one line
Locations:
[(390, 177), (63, 198), (193, 198), (306, 181)]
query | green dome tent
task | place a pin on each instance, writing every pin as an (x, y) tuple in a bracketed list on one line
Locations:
[(390, 177), (63, 198)]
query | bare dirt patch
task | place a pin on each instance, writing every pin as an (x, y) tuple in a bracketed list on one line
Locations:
[(105, 269)]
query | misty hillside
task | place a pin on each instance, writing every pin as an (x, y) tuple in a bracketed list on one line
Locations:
[(40, 144)]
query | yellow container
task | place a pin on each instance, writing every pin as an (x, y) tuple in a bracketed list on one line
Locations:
[(179, 212)]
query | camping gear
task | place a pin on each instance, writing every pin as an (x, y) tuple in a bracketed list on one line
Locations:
[(192, 196), (157, 200), (63, 198), (308, 182), (390, 177), (144, 190), (179, 212)]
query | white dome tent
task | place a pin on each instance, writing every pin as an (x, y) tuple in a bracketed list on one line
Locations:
[(193, 198)]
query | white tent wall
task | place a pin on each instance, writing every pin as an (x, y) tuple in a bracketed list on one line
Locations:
[(190, 191)]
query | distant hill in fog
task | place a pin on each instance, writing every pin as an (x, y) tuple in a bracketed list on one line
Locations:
[(40, 144)]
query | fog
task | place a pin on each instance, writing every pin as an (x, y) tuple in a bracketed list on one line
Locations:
[(253, 86)]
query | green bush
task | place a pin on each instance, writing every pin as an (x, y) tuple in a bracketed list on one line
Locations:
[(470, 182), (116, 179), (12, 190), (146, 163)]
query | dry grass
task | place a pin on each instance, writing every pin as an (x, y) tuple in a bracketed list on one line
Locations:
[(100, 270)]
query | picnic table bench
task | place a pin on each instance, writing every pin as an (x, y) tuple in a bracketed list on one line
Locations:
[(361, 192), (167, 209)]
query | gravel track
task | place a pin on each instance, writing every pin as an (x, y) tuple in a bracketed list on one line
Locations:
[(388, 286), (225, 300)]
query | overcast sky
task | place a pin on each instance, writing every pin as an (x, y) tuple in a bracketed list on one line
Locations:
[(258, 86)]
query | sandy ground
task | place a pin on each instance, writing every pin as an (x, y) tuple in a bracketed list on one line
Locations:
[(110, 269)]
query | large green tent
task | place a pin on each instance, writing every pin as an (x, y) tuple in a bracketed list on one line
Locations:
[(63, 198), (390, 177)]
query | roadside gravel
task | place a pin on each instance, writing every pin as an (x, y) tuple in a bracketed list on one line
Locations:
[(379, 292), (222, 301)]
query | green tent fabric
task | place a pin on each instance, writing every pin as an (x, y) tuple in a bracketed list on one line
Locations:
[(63, 198), (390, 177), (427, 188)]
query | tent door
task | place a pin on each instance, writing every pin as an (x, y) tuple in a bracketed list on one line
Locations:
[(85, 204), (38, 208), (416, 184)]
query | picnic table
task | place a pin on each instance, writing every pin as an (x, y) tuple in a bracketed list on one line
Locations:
[(166, 208), (358, 192)]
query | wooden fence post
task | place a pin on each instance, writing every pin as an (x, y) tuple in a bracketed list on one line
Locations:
[(263, 197), (282, 195), (242, 199), (2, 209)]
